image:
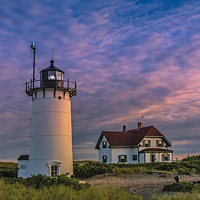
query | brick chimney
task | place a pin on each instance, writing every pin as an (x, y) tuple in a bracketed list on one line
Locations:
[(139, 125), (124, 129)]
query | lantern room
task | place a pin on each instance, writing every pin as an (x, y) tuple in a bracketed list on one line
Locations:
[(51, 77)]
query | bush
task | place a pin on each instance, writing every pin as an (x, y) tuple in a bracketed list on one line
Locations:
[(8, 172), (41, 181), (177, 195), (92, 168), (184, 186), (186, 167), (184, 171)]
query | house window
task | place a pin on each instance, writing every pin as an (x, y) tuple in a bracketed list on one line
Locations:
[(146, 143), (159, 143), (166, 157), (104, 144), (134, 157), (104, 159), (54, 169), (122, 158)]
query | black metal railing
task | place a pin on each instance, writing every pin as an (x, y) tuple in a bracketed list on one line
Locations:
[(55, 84)]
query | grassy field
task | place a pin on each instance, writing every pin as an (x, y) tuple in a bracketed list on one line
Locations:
[(8, 164), (18, 191), (86, 169), (177, 196)]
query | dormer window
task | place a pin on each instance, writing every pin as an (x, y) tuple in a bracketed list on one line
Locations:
[(104, 144), (146, 143), (159, 143)]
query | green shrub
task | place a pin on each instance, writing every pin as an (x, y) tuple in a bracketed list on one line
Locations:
[(186, 167), (192, 158), (41, 181), (184, 171), (8, 172), (176, 196), (184, 186)]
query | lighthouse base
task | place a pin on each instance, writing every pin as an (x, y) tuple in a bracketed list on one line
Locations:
[(28, 168)]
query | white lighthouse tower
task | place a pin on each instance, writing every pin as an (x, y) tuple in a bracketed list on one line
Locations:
[(50, 150)]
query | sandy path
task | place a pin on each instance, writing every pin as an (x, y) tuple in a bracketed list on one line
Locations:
[(141, 184)]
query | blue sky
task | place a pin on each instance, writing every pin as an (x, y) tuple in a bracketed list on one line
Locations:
[(129, 58)]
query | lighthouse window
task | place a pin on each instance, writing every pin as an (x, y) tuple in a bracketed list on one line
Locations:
[(22, 166), (53, 170), (59, 76), (52, 77)]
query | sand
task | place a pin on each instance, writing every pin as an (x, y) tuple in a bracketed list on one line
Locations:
[(140, 184)]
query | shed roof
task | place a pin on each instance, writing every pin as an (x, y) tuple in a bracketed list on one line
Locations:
[(23, 157)]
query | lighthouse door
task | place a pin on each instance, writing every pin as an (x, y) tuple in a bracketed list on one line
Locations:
[(54, 168)]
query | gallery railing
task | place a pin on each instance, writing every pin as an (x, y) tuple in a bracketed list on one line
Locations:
[(65, 85)]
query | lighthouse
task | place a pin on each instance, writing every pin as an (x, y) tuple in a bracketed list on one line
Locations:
[(50, 150)]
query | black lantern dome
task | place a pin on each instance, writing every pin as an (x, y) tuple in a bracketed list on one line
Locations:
[(51, 77)]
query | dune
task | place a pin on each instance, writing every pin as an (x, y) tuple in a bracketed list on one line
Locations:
[(140, 184)]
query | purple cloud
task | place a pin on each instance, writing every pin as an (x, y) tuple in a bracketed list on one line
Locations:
[(129, 59)]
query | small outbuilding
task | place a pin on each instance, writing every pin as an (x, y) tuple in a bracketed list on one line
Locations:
[(141, 145)]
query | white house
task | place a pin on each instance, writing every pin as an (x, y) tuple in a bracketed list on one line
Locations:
[(141, 145)]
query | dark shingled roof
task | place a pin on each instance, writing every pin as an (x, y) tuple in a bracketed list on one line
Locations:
[(131, 137), (23, 157)]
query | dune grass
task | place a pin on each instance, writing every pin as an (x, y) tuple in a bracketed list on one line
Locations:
[(8, 164), (176, 196), (18, 191)]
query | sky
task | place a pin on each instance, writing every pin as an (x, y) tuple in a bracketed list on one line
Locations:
[(129, 59)]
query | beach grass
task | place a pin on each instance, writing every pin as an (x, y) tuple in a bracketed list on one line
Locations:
[(176, 196), (8, 164), (18, 191)]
